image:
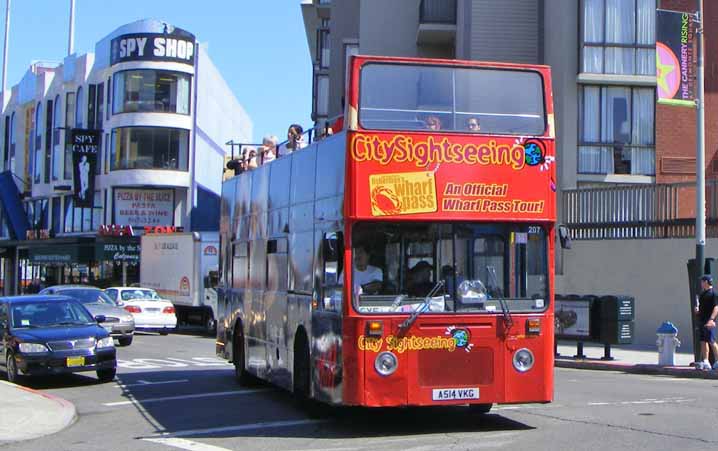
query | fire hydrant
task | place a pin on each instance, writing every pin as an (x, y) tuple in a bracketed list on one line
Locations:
[(667, 343)]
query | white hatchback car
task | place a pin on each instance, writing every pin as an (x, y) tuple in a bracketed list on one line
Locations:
[(150, 311)]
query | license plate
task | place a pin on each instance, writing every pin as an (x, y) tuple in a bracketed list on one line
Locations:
[(75, 361), (153, 310), (449, 394)]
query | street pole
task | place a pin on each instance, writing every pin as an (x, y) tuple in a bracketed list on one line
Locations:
[(700, 160), (4, 53), (71, 36)]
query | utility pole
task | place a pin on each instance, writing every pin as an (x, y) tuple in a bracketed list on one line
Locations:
[(700, 157), (71, 36)]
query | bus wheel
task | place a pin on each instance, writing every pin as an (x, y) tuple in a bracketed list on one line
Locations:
[(480, 408), (240, 371), (303, 378)]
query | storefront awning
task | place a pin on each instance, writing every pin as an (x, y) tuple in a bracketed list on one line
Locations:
[(60, 253), (117, 251)]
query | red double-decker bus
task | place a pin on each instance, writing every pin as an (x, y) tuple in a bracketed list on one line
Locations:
[(407, 259)]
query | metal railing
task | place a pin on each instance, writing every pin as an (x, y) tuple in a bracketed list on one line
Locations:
[(636, 212), (437, 11)]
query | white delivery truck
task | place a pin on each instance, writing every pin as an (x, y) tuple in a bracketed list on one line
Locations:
[(183, 268)]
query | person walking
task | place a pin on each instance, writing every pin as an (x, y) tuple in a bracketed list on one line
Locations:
[(707, 311)]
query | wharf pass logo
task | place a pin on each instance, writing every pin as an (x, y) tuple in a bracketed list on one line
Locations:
[(423, 152), (402, 193)]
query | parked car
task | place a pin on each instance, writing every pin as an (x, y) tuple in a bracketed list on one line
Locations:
[(53, 335), (150, 311), (119, 323)]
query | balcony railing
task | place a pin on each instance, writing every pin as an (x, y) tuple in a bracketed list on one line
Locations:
[(637, 212), (437, 11)]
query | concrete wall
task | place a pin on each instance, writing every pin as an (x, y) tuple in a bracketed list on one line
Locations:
[(344, 27), (652, 271), (388, 27)]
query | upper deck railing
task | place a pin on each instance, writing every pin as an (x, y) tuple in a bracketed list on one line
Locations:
[(636, 212)]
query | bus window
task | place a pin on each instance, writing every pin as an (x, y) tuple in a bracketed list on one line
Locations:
[(277, 265), (397, 266), (333, 258), (425, 97)]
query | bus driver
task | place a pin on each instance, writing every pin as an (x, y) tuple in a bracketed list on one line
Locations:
[(365, 277)]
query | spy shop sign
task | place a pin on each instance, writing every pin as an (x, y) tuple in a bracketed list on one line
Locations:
[(177, 46)]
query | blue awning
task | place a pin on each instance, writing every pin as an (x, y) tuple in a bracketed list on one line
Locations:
[(12, 206)]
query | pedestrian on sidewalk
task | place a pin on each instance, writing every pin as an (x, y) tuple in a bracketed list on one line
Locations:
[(707, 311)]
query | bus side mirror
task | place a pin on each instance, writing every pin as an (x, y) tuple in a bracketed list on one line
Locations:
[(564, 236), (332, 245)]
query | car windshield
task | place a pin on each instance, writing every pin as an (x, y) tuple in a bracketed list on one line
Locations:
[(87, 295), (49, 314), (460, 267), (150, 295)]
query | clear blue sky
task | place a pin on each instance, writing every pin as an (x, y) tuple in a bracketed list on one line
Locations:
[(259, 46)]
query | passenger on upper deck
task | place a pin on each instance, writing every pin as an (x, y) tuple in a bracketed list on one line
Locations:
[(432, 123), (269, 148), (295, 138), (473, 125), (251, 159)]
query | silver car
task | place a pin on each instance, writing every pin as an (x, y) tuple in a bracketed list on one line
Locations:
[(119, 323)]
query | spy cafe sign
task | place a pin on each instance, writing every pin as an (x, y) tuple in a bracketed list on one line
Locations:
[(177, 46)]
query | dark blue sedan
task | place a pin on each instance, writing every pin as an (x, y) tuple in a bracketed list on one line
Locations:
[(53, 334)]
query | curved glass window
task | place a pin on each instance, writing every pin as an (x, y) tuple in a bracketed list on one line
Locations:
[(151, 91), (57, 158), (37, 159), (150, 148)]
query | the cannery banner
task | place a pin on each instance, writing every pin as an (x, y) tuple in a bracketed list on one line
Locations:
[(85, 145), (675, 58)]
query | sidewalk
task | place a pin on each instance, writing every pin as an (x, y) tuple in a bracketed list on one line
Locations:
[(26, 414), (629, 359)]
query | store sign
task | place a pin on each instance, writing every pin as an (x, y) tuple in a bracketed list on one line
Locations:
[(177, 46), (60, 254), (158, 230), (115, 230), (85, 146), (144, 207), (118, 252)]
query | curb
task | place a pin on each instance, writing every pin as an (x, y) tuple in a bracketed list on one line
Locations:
[(641, 368), (68, 414)]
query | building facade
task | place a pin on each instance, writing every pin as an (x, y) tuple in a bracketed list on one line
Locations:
[(130, 135), (620, 155)]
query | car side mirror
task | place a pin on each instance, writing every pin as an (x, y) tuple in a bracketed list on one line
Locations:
[(100, 318), (120, 303)]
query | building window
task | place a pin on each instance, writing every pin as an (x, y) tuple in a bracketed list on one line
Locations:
[(36, 138), (100, 105), (321, 108), (37, 213), (47, 167), (69, 122), (616, 130), (79, 103), (323, 48), (619, 37), (149, 148), (83, 219), (151, 91), (57, 157)]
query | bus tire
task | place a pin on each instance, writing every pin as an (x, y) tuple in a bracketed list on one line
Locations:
[(240, 370), (303, 378), (480, 409)]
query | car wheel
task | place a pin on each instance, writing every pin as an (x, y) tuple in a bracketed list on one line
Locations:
[(164, 332), (106, 375), (125, 341), (12, 372), (210, 325)]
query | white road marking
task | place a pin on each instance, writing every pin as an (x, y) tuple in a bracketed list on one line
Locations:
[(185, 444), (170, 362), (142, 383), (134, 401), (642, 401), (240, 427)]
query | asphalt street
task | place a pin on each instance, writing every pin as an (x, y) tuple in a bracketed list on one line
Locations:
[(172, 393)]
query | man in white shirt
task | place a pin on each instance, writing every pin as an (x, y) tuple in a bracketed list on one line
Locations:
[(365, 278)]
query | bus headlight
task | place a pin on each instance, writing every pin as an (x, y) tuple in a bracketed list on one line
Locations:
[(523, 360), (386, 363)]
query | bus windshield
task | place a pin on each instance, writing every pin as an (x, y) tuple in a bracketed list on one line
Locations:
[(398, 266), (454, 99)]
